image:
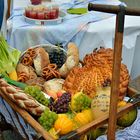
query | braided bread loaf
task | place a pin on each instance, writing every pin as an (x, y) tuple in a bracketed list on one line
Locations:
[(22, 99), (96, 72), (103, 58)]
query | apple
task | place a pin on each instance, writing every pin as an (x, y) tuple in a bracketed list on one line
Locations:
[(33, 14), (57, 11), (27, 12), (60, 93), (40, 15), (53, 14), (47, 14)]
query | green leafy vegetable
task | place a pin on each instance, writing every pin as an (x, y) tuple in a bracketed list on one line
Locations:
[(8, 57)]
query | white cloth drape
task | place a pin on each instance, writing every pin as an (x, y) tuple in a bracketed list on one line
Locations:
[(4, 24)]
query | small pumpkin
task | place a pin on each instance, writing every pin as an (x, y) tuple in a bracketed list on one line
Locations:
[(128, 118), (83, 117), (63, 125), (89, 114), (53, 133), (121, 103)]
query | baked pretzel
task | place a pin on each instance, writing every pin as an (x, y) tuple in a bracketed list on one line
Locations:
[(28, 57), (22, 77), (31, 52), (50, 72), (27, 60)]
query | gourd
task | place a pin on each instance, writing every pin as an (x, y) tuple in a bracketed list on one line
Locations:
[(63, 125), (53, 133), (89, 114), (126, 119), (83, 117)]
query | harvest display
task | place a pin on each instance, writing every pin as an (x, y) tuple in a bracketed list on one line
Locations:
[(62, 92)]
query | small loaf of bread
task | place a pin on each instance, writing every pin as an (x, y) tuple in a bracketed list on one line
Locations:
[(22, 99), (41, 60), (27, 70), (72, 59)]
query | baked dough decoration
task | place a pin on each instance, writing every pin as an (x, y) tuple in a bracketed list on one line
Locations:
[(97, 71)]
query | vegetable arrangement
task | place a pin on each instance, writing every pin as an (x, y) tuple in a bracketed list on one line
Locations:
[(8, 58)]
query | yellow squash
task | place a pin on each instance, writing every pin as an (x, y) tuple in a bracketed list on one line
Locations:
[(83, 117), (63, 125)]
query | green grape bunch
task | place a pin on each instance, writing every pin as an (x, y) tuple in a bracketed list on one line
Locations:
[(48, 119), (80, 101), (36, 93)]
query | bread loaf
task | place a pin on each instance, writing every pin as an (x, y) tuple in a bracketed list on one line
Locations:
[(71, 61), (25, 71), (20, 98), (41, 60)]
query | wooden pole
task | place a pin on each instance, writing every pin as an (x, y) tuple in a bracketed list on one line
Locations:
[(116, 74), (121, 11)]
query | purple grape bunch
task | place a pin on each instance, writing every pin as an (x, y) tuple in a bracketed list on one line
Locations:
[(61, 105)]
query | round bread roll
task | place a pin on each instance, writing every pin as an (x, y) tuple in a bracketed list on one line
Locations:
[(27, 70), (54, 84)]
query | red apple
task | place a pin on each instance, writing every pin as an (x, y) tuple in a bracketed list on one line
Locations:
[(60, 93), (47, 14), (33, 14), (41, 15), (57, 11), (53, 14), (27, 12)]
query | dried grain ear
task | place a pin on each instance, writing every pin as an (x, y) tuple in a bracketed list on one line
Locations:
[(41, 60)]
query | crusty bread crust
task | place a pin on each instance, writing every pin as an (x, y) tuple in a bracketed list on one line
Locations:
[(41, 60), (71, 61)]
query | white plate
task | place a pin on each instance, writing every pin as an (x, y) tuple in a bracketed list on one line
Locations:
[(46, 22)]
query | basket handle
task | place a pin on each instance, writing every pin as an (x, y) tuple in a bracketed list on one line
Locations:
[(113, 9)]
